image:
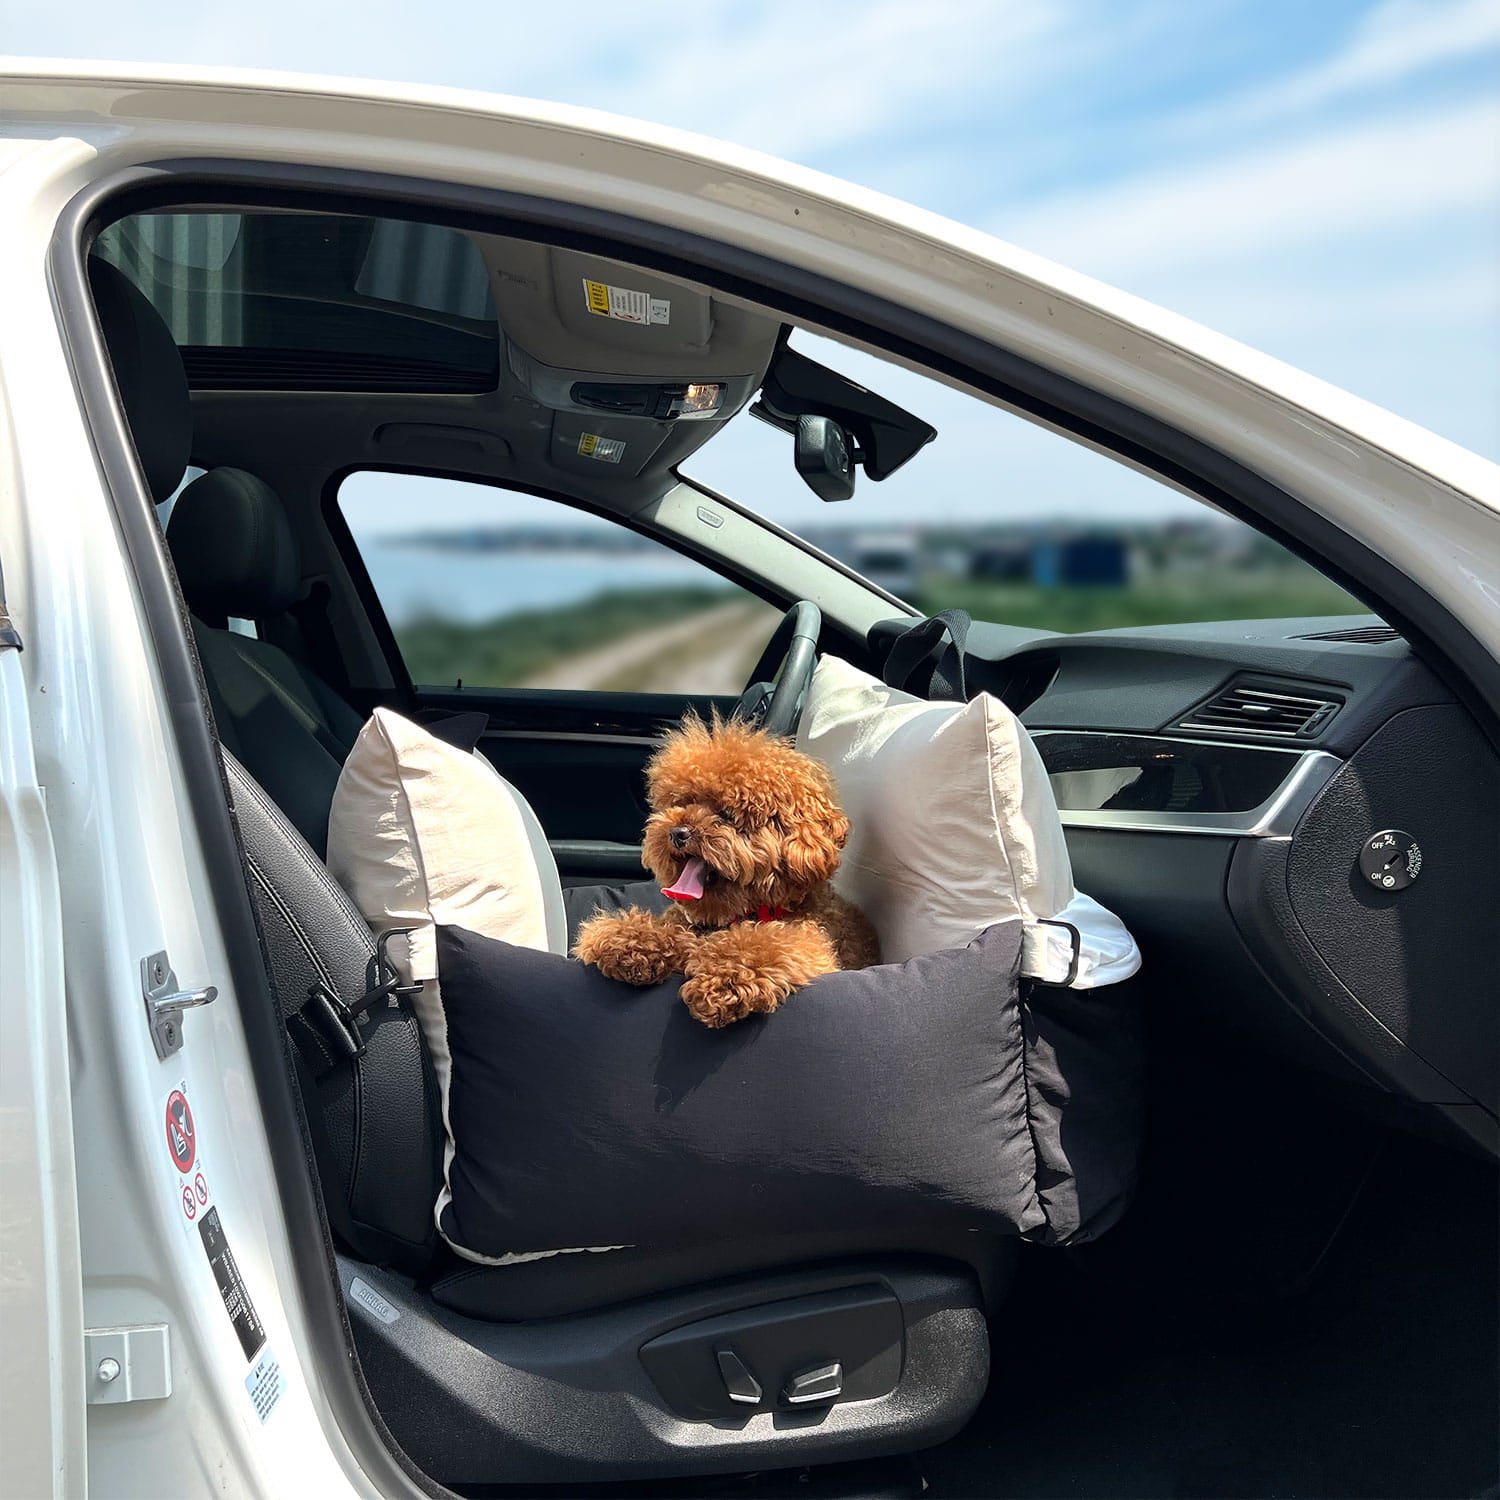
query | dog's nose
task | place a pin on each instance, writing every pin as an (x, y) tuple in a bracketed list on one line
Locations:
[(679, 836)]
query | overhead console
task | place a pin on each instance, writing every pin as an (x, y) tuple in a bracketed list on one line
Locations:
[(619, 356)]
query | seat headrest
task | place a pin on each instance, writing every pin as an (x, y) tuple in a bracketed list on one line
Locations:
[(149, 373), (233, 547)]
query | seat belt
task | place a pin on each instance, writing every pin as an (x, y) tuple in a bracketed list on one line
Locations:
[(945, 633)]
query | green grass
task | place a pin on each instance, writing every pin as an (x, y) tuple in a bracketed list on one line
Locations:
[(1217, 594), (510, 648)]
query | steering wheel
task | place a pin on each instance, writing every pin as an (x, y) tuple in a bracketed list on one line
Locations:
[(777, 688)]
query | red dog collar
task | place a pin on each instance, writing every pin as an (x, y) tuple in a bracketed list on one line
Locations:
[(766, 914)]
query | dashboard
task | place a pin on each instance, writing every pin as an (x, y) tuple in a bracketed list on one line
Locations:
[(1301, 825)]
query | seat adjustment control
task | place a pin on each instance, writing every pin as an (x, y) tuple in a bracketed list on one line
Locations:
[(742, 1386), (820, 1383)]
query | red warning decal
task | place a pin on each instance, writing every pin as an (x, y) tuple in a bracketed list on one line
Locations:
[(182, 1139)]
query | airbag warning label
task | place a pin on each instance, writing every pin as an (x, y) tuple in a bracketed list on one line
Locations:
[(265, 1383), (247, 1324), (625, 304)]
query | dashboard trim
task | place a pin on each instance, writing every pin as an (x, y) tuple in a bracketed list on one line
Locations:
[(1276, 817)]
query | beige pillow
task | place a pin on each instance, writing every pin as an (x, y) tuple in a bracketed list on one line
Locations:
[(953, 827), (953, 824), (422, 833)]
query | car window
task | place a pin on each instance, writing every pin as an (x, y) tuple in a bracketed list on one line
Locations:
[(487, 588), (1013, 522)]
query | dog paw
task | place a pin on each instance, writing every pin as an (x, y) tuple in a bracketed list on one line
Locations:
[(720, 1000), (632, 946)]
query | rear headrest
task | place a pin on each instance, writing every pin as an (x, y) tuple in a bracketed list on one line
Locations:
[(148, 371), (233, 547)]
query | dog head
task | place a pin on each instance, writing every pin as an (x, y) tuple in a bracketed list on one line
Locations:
[(739, 820)]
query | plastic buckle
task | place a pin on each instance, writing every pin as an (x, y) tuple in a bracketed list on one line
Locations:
[(1073, 967), (343, 1023), (385, 969)]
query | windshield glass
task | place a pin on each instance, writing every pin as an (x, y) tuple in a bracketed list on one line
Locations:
[(1015, 523)]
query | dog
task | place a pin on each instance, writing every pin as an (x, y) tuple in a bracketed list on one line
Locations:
[(744, 836)]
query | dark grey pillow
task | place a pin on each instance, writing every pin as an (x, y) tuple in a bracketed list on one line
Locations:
[(588, 1114)]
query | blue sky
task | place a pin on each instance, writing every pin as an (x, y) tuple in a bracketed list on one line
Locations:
[(1320, 179)]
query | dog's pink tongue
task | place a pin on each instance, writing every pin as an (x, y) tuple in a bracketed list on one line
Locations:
[(689, 884)]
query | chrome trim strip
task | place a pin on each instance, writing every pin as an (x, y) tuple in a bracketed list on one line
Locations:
[(1163, 736), (1276, 817)]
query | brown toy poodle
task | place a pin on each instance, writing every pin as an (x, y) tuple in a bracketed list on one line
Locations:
[(744, 835)]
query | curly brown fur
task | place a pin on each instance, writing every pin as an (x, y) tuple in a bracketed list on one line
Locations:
[(765, 822)]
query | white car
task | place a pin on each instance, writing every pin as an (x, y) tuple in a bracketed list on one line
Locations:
[(463, 391)]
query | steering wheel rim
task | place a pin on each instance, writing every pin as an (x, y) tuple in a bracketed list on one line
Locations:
[(777, 689)]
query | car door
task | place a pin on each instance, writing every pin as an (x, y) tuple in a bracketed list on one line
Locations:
[(576, 637), (41, 1420)]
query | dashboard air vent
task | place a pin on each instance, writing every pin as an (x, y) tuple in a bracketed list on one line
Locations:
[(1262, 712), (1366, 634)]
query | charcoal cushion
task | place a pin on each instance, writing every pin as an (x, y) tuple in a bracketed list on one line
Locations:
[(587, 1114)]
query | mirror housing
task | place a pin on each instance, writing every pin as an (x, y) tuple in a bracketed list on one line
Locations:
[(824, 454)]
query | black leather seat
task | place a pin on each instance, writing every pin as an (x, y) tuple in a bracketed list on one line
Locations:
[(365, 1074), (236, 559)]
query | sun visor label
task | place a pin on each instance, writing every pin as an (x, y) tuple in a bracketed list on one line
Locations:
[(606, 450), (625, 304)]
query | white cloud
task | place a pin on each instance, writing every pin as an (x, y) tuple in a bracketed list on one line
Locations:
[(1337, 186), (1395, 41)]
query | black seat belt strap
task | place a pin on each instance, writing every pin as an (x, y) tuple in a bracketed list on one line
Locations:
[(945, 633)]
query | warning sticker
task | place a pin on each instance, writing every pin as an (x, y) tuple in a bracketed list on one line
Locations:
[(265, 1383), (242, 1314), (182, 1139), (625, 304), (606, 450)]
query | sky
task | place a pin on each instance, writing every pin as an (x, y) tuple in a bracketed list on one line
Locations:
[(1318, 178)]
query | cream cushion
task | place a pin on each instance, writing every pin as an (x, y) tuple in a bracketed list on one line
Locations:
[(953, 826), (422, 833)]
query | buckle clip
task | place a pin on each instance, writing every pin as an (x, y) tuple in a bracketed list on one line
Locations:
[(1077, 938), (387, 977), (343, 1022)]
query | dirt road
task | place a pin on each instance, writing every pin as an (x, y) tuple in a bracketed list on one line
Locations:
[(708, 652)]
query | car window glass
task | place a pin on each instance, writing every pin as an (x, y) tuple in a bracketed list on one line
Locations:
[(488, 588), (1015, 523)]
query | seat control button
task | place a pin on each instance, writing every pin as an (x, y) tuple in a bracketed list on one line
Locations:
[(742, 1386), (821, 1383)]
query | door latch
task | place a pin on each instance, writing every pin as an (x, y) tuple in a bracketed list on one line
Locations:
[(165, 1002)]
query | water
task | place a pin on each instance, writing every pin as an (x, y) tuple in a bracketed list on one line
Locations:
[(475, 586)]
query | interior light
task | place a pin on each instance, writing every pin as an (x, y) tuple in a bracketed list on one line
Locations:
[(701, 400)]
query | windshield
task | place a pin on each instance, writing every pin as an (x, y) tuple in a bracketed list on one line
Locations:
[(1014, 523)]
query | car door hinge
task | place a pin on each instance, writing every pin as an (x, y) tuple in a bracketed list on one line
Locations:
[(127, 1364), (165, 1002)]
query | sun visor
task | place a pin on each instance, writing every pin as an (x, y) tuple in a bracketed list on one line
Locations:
[(588, 316)]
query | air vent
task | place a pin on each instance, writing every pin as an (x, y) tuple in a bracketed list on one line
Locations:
[(1367, 634), (1263, 712)]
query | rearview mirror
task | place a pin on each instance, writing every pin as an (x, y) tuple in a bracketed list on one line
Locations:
[(824, 455)]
